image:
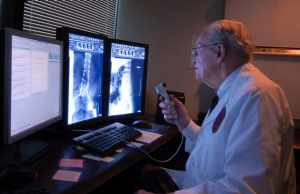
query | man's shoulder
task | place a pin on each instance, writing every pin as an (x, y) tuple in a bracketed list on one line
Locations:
[(251, 78)]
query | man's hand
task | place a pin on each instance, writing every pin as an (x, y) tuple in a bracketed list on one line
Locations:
[(170, 115)]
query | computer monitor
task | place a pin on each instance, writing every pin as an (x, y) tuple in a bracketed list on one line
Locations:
[(127, 74), (84, 67), (31, 83)]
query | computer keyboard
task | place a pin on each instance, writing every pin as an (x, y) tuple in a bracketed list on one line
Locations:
[(106, 140)]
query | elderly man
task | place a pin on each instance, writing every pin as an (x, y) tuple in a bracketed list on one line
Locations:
[(245, 144)]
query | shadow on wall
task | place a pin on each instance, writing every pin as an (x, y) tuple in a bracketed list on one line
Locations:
[(204, 95), (211, 15)]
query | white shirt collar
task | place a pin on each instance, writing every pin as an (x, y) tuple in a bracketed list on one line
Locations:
[(227, 83)]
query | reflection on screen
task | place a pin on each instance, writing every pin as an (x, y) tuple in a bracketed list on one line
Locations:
[(85, 78), (34, 100), (126, 79)]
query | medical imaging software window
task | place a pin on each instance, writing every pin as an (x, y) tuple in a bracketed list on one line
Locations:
[(85, 78), (126, 79)]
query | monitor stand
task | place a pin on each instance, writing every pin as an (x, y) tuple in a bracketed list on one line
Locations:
[(24, 152)]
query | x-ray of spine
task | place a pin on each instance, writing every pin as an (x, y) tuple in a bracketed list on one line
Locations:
[(81, 88), (121, 95)]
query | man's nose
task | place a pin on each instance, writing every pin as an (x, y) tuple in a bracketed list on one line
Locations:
[(193, 60)]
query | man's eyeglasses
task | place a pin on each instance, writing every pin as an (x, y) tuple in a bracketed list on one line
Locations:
[(194, 50)]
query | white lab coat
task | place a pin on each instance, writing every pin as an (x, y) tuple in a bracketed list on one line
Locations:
[(252, 151)]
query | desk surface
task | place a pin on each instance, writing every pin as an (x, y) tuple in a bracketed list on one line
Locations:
[(93, 173)]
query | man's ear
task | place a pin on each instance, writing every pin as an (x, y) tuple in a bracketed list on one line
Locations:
[(221, 52)]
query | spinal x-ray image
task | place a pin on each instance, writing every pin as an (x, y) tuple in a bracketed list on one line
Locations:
[(84, 85), (125, 86), (120, 98)]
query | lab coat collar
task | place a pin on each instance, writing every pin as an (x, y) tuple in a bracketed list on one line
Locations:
[(228, 89)]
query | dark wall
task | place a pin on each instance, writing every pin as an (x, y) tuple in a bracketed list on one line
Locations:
[(11, 13), (170, 27)]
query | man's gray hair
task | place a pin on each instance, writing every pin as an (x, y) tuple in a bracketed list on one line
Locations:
[(233, 35)]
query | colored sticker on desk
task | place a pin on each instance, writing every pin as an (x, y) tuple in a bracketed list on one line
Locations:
[(80, 148), (134, 144), (119, 150), (97, 158), (76, 163), (65, 175), (148, 137)]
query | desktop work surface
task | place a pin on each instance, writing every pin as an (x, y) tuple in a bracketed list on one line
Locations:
[(92, 173)]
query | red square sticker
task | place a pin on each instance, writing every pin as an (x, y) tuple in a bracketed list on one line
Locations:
[(77, 163)]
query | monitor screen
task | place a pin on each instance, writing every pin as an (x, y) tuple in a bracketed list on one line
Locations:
[(31, 83), (127, 79), (83, 77)]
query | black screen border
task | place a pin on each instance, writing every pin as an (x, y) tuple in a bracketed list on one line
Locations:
[(63, 35), (5, 99), (128, 116)]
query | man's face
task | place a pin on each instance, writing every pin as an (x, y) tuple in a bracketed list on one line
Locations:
[(205, 64)]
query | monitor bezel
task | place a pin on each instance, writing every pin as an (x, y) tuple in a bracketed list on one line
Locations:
[(128, 116), (6, 45), (62, 34)]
